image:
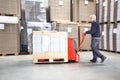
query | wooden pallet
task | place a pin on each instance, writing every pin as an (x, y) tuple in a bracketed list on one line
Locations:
[(50, 57), (12, 15), (30, 53), (9, 53), (84, 22), (4, 14), (50, 60)]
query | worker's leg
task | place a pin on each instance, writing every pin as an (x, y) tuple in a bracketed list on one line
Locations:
[(93, 52), (95, 43)]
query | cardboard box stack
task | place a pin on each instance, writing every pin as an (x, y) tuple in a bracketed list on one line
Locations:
[(111, 37), (100, 44), (10, 7), (87, 41), (86, 8), (100, 10), (60, 9), (118, 38), (50, 45), (10, 32), (75, 7), (105, 10), (118, 11), (10, 39), (105, 36), (112, 11), (70, 27)]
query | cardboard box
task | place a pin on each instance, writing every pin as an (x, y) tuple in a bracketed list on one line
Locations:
[(105, 10), (111, 37), (118, 11), (118, 38), (87, 41), (75, 7), (105, 36), (71, 28), (50, 45), (10, 7), (112, 11), (60, 9), (100, 10), (85, 10), (10, 38)]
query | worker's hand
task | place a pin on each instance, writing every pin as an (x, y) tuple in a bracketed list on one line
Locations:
[(84, 32)]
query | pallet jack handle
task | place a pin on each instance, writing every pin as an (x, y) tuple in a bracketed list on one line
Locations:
[(83, 37)]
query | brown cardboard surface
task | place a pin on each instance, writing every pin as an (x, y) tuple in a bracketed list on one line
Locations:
[(61, 12), (10, 7), (85, 10), (64, 27), (87, 41), (10, 38)]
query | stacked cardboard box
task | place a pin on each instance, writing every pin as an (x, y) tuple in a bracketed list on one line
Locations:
[(118, 38), (102, 36), (111, 37), (85, 10), (75, 6), (105, 36), (10, 39), (60, 9), (70, 27), (100, 44), (87, 42), (105, 10), (118, 11), (114, 37), (112, 11), (11, 7), (50, 45), (100, 11), (10, 33)]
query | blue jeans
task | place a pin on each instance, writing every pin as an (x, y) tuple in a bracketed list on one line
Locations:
[(94, 46)]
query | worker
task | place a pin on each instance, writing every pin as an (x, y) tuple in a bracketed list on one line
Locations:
[(95, 33)]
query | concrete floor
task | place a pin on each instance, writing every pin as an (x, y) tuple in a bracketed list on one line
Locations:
[(22, 68)]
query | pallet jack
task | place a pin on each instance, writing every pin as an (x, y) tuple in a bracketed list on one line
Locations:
[(72, 51)]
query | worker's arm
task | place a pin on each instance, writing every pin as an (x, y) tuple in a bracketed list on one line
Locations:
[(93, 29)]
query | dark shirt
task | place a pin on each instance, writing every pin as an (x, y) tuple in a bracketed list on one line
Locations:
[(95, 30)]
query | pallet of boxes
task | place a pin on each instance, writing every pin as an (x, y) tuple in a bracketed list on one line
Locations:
[(9, 27), (50, 46)]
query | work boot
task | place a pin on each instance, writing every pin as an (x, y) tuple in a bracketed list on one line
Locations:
[(103, 59), (93, 61)]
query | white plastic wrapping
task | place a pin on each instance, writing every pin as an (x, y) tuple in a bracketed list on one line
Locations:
[(9, 19), (50, 42), (35, 10)]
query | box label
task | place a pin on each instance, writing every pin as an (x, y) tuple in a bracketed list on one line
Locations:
[(2, 26)]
